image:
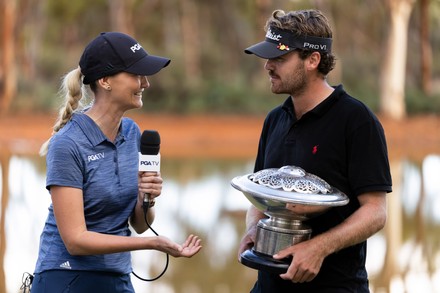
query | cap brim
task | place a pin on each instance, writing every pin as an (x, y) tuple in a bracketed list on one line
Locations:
[(148, 65), (266, 50)]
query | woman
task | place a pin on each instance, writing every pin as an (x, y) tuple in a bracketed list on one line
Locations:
[(93, 178)]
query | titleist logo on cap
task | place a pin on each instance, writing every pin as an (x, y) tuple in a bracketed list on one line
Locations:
[(272, 36)]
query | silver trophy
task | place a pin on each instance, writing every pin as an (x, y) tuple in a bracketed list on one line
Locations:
[(288, 196)]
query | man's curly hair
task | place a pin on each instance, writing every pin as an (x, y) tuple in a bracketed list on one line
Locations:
[(305, 23)]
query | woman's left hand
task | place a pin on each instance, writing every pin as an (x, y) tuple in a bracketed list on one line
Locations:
[(190, 247)]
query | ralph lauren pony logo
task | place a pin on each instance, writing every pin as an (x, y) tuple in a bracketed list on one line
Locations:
[(315, 149)]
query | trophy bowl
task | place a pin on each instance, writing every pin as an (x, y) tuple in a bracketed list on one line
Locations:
[(288, 196)]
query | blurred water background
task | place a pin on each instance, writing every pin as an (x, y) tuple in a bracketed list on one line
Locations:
[(387, 56), (197, 198)]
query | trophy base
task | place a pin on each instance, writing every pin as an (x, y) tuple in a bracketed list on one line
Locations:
[(258, 261)]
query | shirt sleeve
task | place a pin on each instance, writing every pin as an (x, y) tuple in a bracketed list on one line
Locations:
[(369, 168), (259, 161), (64, 164)]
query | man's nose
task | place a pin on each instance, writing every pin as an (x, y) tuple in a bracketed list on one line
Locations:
[(269, 64)]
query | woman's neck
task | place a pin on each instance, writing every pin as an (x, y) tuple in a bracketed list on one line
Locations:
[(108, 123)]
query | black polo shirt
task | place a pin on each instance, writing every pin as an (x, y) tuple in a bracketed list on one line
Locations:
[(341, 141)]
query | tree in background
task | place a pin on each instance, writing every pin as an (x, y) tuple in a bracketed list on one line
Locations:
[(8, 76), (121, 18), (205, 39), (392, 96), (425, 47)]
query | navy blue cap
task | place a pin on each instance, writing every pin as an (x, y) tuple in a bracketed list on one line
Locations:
[(114, 52)]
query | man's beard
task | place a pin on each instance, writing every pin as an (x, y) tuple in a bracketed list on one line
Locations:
[(295, 84)]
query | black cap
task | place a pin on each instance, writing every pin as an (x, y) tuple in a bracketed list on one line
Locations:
[(114, 52), (279, 42)]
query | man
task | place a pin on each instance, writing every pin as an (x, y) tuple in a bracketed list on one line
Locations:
[(332, 135)]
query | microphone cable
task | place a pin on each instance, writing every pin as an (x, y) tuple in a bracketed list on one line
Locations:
[(145, 207)]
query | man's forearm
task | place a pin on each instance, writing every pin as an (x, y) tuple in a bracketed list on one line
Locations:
[(362, 224), (253, 215)]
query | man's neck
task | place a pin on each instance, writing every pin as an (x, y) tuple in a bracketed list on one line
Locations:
[(311, 97)]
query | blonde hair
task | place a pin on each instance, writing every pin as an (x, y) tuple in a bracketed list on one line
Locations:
[(74, 93)]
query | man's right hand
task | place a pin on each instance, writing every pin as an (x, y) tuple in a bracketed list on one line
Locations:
[(247, 241)]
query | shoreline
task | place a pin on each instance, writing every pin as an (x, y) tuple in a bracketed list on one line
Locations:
[(218, 136)]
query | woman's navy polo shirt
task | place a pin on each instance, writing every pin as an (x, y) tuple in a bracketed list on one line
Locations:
[(80, 156), (341, 141)]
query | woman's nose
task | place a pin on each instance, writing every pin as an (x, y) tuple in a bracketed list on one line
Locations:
[(144, 82)]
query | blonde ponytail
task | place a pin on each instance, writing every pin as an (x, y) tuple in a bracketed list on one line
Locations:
[(73, 91)]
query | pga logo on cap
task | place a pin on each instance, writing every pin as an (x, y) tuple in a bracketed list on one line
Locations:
[(135, 47)]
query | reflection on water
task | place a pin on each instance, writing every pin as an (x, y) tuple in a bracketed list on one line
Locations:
[(197, 198)]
